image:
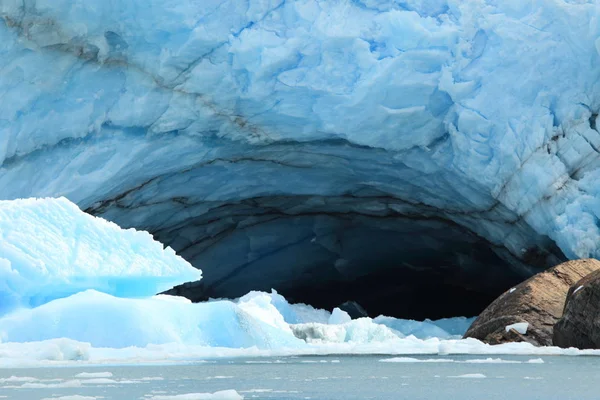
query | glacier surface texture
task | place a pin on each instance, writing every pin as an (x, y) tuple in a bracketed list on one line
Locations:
[(367, 150)]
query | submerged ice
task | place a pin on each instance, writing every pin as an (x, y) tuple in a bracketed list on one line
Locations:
[(317, 147)]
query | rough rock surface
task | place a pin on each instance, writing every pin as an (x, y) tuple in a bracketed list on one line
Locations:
[(539, 301), (580, 324)]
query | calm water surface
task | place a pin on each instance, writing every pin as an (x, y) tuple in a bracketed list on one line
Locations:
[(339, 377)]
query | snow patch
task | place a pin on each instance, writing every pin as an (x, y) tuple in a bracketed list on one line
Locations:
[(520, 327)]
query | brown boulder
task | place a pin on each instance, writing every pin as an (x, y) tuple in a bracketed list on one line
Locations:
[(580, 324), (538, 301)]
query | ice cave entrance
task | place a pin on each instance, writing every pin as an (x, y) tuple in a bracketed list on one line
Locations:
[(413, 268)]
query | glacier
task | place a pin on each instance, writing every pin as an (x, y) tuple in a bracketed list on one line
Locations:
[(368, 150)]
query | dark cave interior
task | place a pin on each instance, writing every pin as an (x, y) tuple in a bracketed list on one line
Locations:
[(396, 266)]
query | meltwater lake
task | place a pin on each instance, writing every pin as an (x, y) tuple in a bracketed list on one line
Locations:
[(335, 378)]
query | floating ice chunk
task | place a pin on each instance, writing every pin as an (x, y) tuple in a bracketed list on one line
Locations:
[(339, 317), (74, 383), (94, 375), (74, 397), (535, 361), (107, 321), (512, 290), (51, 249), (362, 330), (416, 360), (469, 376), (32, 353), (448, 360), (292, 313), (18, 379), (319, 333), (222, 395), (520, 327), (578, 289), (260, 306), (492, 361)]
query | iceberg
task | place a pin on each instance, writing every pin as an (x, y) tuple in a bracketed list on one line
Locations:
[(107, 321), (344, 140), (50, 249)]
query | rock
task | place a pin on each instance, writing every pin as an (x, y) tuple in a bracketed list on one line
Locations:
[(580, 324), (353, 309), (538, 301)]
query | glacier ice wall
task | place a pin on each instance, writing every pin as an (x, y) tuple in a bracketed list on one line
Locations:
[(284, 144)]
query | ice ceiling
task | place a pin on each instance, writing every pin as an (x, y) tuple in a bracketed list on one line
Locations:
[(416, 156)]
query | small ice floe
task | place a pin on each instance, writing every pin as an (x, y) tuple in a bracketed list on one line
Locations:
[(222, 395), (520, 327), (470, 376), (512, 290), (94, 375), (416, 360), (578, 289), (257, 391), (61, 385), (492, 361), (13, 379)]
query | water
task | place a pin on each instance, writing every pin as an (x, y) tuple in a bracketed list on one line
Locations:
[(343, 378)]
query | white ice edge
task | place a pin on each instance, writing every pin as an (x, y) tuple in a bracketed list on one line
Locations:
[(184, 354)]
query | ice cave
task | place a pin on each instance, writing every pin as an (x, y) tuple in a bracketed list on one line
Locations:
[(399, 154)]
